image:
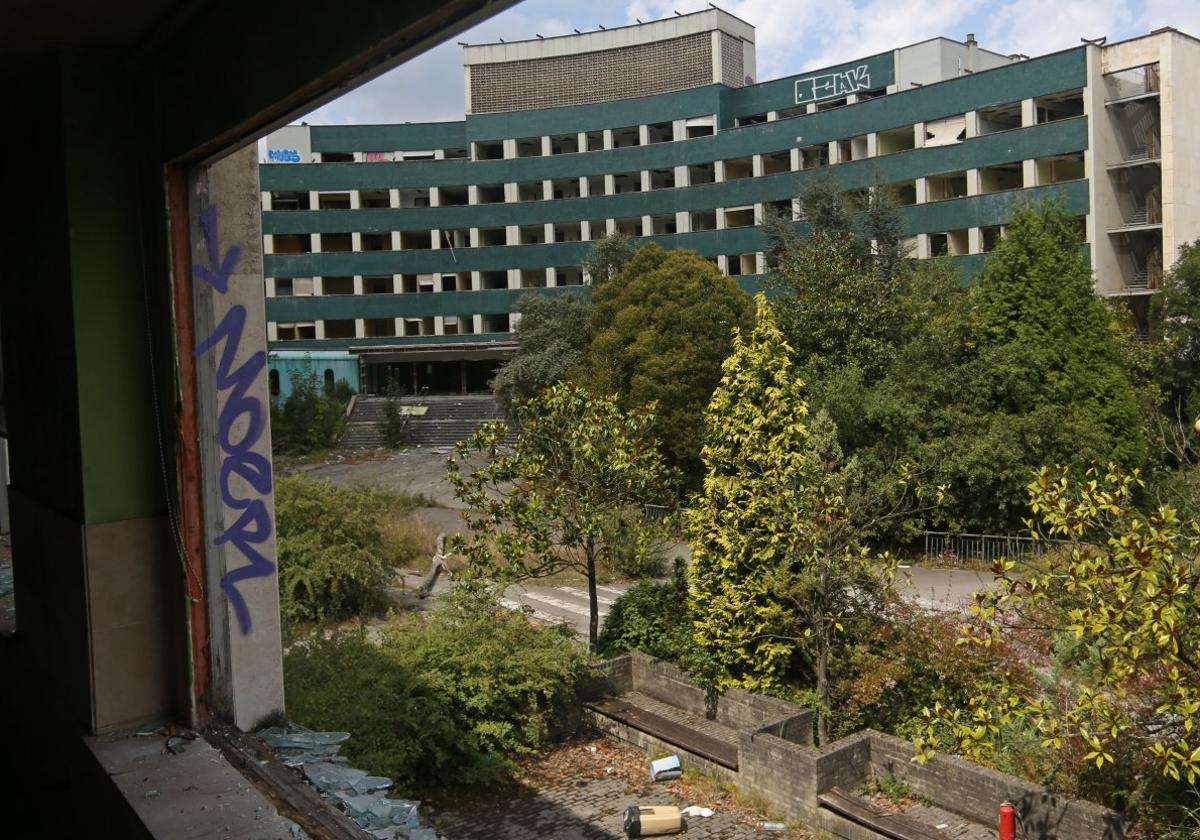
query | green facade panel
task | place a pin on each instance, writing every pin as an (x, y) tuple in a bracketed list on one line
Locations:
[(381, 138), (1053, 138)]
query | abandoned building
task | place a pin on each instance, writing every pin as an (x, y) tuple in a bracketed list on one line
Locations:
[(408, 245)]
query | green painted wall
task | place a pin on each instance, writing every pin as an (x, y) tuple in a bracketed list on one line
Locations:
[(121, 476)]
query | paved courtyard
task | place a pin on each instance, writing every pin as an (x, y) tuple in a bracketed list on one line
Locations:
[(580, 790)]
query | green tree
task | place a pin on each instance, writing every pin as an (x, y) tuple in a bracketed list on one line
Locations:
[(552, 336), (312, 416), (568, 493), (777, 571), (395, 420), (1043, 377), (660, 330), (1127, 590), (607, 258)]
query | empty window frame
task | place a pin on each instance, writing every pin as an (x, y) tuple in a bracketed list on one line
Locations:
[(569, 276), (493, 279), (381, 285), (794, 111), (337, 157), (662, 179), (897, 140), (999, 118), (947, 131), (283, 287), (738, 168), (662, 132), (418, 197), (814, 157), (455, 238), (990, 236), (704, 220), (493, 150), (564, 144), (595, 185), (498, 323), (740, 265), (750, 119), (529, 147), (337, 285), (458, 282), (289, 200), (533, 278), (952, 243), (1002, 176), (597, 229), (1059, 168), (335, 242), (830, 104), (662, 225), (565, 188), (701, 173), (379, 327), (736, 217), (416, 240), (376, 241), (700, 127), (374, 199), (490, 193), (777, 162), (341, 328), (904, 192), (530, 191), (595, 141), (291, 243), (568, 231), (454, 154), (627, 182), (943, 187), (453, 196), (629, 226), (489, 237), (531, 234), (627, 136), (1058, 106), (333, 201), (1136, 81)]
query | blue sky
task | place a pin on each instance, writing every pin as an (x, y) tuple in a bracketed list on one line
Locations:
[(792, 36)]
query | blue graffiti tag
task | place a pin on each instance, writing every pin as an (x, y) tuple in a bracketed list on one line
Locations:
[(283, 156), (253, 526)]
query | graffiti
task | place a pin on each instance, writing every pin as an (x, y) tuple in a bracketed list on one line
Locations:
[(815, 88), (283, 156), (253, 526)]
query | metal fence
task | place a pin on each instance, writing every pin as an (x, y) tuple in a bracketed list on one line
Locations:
[(986, 547)]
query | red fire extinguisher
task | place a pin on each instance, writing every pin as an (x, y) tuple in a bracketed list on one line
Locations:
[(1008, 822)]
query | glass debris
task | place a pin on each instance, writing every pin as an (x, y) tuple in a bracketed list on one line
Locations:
[(359, 794)]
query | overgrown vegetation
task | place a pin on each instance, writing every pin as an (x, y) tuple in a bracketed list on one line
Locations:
[(395, 421), (445, 698), (312, 416), (567, 495), (552, 336), (653, 617), (339, 547)]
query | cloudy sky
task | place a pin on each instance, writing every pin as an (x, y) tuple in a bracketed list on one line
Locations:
[(792, 36)]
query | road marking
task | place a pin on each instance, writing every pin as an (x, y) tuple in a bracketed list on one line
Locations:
[(569, 606), (514, 606), (600, 599), (611, 590)]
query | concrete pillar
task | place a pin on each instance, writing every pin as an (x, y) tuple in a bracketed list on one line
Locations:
[(435, 197), (972, 124), (396, 245), (610, 181), (756, 165), (1028, 113), (269, 286), (476, 281), (230, 321), (546, 150), (356, 241), (719, 171), (921, 186), (922, 250), (645, 173), (683, 222), (974, 241), (679, 130), (647, 226), (794, 160), (272, 331), (551, 277), (318, 286), (974, 182), (581, 141), (608, 138), (643, 135), (1029, 173), (355, 200), (548, 232), (873, 144), (319, 329), (919, 135), (358, 284), (360, 327)]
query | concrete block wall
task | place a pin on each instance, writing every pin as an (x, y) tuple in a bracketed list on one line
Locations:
[(974, 792), (778, 763)]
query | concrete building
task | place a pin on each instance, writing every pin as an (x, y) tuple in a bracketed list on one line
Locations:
[(409, 244)]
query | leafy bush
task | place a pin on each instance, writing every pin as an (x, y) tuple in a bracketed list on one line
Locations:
[(445, 697), (334, 561), (395, 421), (398, 719), (312, 416), (502, 677), (653, 618)]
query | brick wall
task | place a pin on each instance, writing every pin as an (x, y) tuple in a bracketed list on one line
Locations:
[(601, 76), (732, 71)]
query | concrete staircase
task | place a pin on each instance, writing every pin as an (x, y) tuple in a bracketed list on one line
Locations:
[(447, 420)]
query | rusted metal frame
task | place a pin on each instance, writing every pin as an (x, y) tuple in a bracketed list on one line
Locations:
[(187, 460)]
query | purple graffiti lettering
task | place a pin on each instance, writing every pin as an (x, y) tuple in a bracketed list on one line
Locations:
[(253, 526)]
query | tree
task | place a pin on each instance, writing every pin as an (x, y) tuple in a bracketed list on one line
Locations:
[(312, 417), (660, 330), (552, 335), (1126, 589), (570, 488), (607, 258), (1042, 380), (777, 571)]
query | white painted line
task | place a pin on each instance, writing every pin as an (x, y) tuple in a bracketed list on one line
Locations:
[(540, 616), (611, 590), (600, 599), (568, 606)]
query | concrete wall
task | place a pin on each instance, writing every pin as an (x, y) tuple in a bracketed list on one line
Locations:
[(789, 773)]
